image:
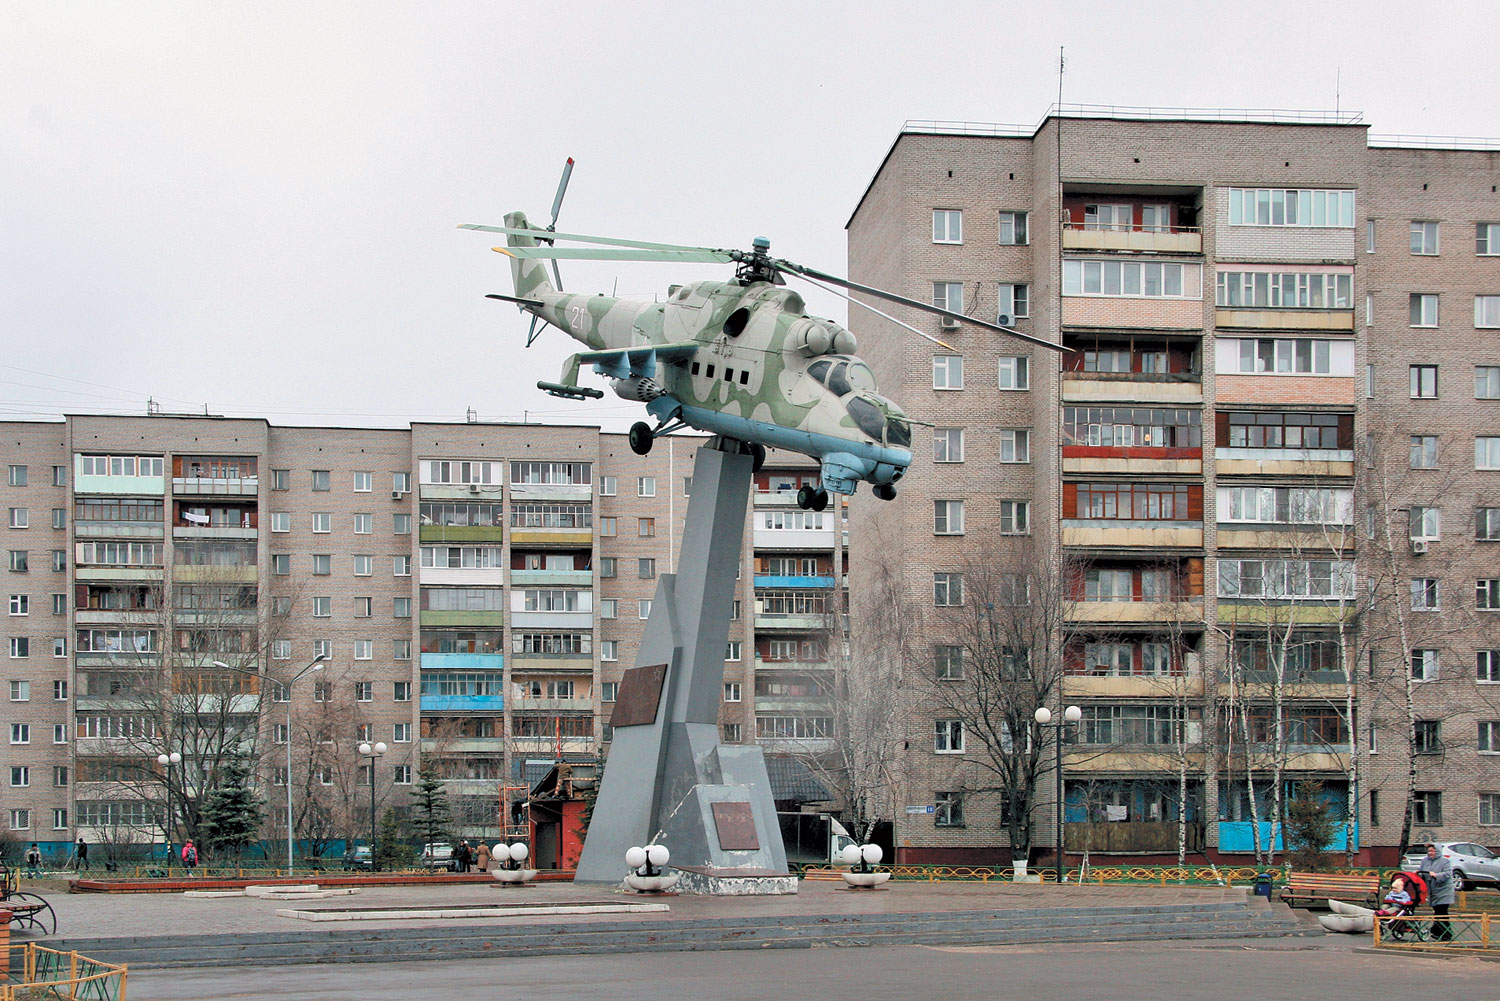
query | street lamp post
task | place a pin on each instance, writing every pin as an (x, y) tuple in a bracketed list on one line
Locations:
[(1043, 716), (316, 665), (167, 761), (373, 752)]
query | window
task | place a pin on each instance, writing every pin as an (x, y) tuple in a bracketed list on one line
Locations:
[(948, 737), (1487, 594), (20, 820), (1424, 382), (1423, 309), (1108, 217), (948, 663), (401, 608), (59, 476), (1489, 736), (59, 604), (1283, 357), (1014, 301), (947, 226), (364, 482), (280, 693), (1015, 445), (948, 445), (947, 372), (948, 517), (20, 561), (731, 691), (646, 527), (322, 564), (1132, 279), (608, 485), (20, 733), (731, 733), (608, 527), (364, 524), (949, 296), (281, 649), (401, 775), (1425, 594), (608, 566), (1487, 382), (1369, 236), (1487, 453), (643, 608), (322, 522), (364, 607), (59, 646), (281, 521), (645, 486), (401, 733), (1318, 207), (1424, 451), (20, 646), (400, 524), (281, 564), (1487, 238), (322, 607), (1427, 808), (609, 608), (949, 809), (60, 560), (1425, 522), (1424, 238), (364, 650), (1424, 665), (1015, 372), (364, 691), (18, 476), (322, 480), (322, 691), (59, 691), (20, 776), (323, 648), (20, 691), (947, 589), (401, 691), (1487, 311), (646, 569), (401, 566), (281, 479), (1489, 808), (20, 604), (687, 486), (609, 650), (1013, 229), (1487, 668), (1015, 517), (20, 517), (1427, 736), (401, 649)]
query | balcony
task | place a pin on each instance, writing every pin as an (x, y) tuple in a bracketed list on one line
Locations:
[(208, 486), (792, 666), (1337, 320), (551, 578), (550, 663), (119, 616), (795, 538), (494, 618), (572, 538), (1137, 686), (1161, 240), (127, 486), (1239, 836), (775, 580), (1305, 539), (210, 574), (118, 530), (1108, 532), (214, 532), (1111, 612), (1132, 387), (1285, 461), (461, 703), (489, 492), (576, 492), (115, 572), (774, 498), (542, 704), (1119, 313), (810, 623), (462, 533), (1132, 460), (462, 661), (463, 576)]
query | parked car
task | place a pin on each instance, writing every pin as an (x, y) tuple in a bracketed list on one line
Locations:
[(358, 858), (1471, 863), (439, 855)]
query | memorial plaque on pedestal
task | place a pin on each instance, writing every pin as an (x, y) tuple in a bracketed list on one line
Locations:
[(735, 823), (639, 695)]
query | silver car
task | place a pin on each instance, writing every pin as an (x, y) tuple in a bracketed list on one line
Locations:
[(1471, 863)]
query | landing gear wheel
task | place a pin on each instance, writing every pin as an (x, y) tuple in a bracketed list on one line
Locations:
[(884, 491), (819, 499), (805, 497), (641, 439), (757, 456)]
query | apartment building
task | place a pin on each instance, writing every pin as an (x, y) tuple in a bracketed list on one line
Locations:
[(465, 595), (1245, 476)]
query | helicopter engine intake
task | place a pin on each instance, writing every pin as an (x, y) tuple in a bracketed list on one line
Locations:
[(641, 389)]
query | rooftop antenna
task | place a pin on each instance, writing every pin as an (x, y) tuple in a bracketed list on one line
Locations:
[(153, 409), (1338, 72), (471, 415)]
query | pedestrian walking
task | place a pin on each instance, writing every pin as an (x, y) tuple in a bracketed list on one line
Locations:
[(482, 857), (81, 861), (189, 857), (465, 856), (1438, 871), (34, 861)]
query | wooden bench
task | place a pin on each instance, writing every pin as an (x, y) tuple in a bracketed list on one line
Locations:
[(1314, 886)]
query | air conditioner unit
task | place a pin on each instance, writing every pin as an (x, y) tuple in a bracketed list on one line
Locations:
[(949, 323), (1419, 546), (1006, 320), (397, 494), (473, 488)]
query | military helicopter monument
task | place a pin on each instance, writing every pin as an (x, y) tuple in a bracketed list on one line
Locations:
[(743, 361)]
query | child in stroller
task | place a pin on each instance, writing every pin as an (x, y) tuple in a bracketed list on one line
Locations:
[(1407, 891)]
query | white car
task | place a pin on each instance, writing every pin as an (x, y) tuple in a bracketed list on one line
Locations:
[(439, 855), (1471, 863)]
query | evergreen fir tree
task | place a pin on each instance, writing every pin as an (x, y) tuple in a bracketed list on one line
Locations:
[(231, 815), (391, 850), (432, 817)]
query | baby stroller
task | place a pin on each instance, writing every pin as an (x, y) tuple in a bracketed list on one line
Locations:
[(1398, 929)]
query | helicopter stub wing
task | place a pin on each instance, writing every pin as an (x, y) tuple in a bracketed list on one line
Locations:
[(638, 361)]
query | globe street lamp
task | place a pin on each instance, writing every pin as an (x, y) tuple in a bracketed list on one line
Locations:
[(1043, 716), (373, 752), (316, 665), (167, 761)]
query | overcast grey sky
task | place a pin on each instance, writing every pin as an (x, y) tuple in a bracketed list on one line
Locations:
[(251, 206)]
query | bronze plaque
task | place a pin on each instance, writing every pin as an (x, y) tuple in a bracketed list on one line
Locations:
[(735, 823), (639, 696)]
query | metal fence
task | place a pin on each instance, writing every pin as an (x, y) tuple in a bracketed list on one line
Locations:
[(1469, 934), (35, 971)]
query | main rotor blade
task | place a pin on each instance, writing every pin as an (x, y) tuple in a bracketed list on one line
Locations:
[(605, 241), (687, 256), (901, 300), (881, 313), (562, 189)]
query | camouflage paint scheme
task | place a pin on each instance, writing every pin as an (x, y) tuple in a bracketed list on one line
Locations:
[(778, 391)]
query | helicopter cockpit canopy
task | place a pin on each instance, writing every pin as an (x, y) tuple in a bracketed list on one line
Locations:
[(878, 422), (843, 375)]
